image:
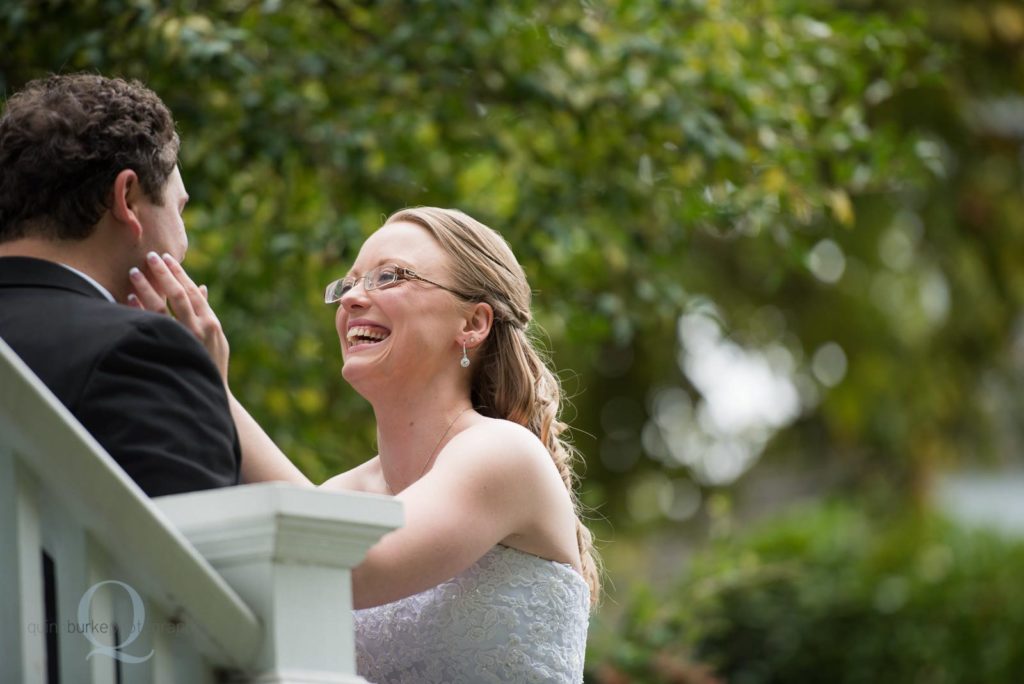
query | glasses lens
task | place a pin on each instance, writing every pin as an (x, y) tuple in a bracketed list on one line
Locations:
[(337, 290), (382, 277)]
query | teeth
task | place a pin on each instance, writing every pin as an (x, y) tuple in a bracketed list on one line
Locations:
[(367, 332)]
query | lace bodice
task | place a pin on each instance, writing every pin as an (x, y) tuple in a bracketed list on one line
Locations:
[(511, 617)]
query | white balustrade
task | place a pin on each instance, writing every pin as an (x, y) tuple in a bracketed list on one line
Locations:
[(246, 583)]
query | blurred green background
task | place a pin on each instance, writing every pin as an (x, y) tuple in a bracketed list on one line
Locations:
[(776, 248)]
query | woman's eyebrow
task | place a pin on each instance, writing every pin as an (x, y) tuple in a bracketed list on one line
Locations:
[(386, 261)]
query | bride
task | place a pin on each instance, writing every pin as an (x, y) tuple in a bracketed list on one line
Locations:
[(493, 575)]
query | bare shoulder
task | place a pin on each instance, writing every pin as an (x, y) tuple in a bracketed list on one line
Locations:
[(500, 436), (365, 477), (501, 448), (506, 473)]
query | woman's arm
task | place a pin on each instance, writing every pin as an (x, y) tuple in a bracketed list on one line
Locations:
[(262, 460), (490, 483)]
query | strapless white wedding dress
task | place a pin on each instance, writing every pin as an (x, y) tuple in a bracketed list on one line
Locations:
[(511, 617)]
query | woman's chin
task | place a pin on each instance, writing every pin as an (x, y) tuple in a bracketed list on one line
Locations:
[(366, 384), (355, 367), (367, 364)]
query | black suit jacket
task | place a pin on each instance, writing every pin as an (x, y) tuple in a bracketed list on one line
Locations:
[(139, 382)]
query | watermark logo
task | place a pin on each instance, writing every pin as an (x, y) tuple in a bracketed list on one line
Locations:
[(138, 620)]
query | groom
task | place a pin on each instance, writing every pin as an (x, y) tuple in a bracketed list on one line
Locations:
[(89, 186)]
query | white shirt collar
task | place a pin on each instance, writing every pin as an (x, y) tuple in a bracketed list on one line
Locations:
[(89, 279)]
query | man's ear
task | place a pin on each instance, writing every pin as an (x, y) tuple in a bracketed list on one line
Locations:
[(124, 202), (478, 322)]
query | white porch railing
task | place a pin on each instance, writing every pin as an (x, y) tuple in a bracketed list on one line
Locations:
[(99, 583)]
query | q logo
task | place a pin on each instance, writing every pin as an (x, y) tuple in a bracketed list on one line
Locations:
[(138, 619)]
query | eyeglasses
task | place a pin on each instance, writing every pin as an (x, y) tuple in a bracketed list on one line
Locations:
[(380, 278)]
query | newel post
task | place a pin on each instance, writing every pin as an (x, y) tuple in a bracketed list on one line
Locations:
[(288, 553)]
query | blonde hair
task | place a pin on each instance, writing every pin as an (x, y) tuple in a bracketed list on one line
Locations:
[(511, 381)]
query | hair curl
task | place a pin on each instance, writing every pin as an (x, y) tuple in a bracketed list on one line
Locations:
[(64, 139), (512, 381)]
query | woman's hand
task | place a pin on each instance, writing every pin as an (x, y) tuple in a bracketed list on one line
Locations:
[(169, 285)]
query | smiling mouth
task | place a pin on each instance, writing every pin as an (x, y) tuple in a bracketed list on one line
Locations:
[(364, 334)]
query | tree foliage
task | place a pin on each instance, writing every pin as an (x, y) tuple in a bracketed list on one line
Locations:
[(831, 190)]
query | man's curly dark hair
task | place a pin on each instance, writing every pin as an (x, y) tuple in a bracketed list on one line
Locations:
[(64, 139)]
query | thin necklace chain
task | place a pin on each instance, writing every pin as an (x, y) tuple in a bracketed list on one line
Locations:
[(433, 453)]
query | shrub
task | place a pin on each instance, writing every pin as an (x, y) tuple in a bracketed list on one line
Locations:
[(832, 594)]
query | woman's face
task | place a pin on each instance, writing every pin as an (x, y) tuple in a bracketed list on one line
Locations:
[(408, 331)]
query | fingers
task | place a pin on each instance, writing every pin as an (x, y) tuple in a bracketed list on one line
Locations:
[(194, 294), (168, 282), (145, 295), (172, 287)]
